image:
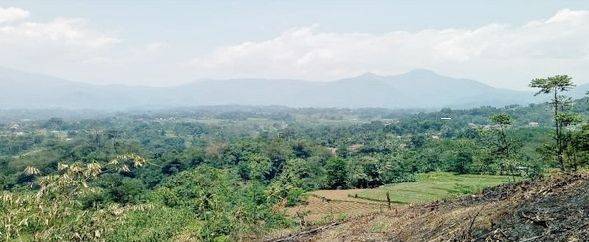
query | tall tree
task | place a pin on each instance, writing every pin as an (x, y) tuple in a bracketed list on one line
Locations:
[(504, 147), (502, 121), (555, 86), (337, 173)]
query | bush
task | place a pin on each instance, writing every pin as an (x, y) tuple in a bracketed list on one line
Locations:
[(224, 205)]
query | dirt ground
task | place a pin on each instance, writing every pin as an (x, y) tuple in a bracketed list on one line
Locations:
[(342, 195), (553, 209), (325, 206)]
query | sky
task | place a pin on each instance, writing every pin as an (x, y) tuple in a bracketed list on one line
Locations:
[(165, 43)]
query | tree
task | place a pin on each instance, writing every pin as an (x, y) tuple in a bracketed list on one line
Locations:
[(576, 152), (503, 145), (555, 85), (56, 211), (502, 121), (337, 173), (462, 162)]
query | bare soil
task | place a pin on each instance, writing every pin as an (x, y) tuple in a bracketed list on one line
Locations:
[(342, 195), (325, 206)]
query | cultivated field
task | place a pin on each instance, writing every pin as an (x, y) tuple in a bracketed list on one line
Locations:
[(430, 187), (324, 206)]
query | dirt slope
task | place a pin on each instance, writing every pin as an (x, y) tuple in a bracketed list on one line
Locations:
[(554, 209)]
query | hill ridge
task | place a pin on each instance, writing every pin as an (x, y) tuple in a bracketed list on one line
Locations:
[(415, 89)]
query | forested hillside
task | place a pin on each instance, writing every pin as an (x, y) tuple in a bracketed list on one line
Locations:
[(224, 173)]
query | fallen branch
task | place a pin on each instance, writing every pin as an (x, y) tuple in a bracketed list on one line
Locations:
[(468, 232)]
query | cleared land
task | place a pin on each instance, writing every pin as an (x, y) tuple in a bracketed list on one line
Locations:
[(554, 209), (342, 195), (318, 210), (326, 206)]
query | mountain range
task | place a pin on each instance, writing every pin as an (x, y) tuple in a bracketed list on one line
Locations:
[(415, 89)]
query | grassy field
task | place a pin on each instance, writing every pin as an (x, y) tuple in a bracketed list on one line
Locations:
[(325, 206), (432, 186)]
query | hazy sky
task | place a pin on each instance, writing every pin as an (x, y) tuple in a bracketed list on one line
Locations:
[(502, 43)]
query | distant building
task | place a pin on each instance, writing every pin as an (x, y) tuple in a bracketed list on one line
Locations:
[(446, 118), (533, 124)]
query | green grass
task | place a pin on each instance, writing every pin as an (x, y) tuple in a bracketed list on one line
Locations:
[(433, 186)]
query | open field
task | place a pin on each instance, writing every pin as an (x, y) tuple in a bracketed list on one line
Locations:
[(324, 206), (430, 187), (342, 195), (318, 210)]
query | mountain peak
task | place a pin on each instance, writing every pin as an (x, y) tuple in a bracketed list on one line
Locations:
[(422, 72), (368, 75)]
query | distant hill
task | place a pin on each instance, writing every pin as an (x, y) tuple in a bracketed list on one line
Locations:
[(415, 89), (26, 90), (580, 91)]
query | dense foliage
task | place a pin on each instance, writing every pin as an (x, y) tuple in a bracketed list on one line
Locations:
[(222, 174)]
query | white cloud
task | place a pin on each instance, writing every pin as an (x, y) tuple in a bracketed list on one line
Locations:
[(61, 31), (500, 54), (72, 49), (64, 47), (155, 47), (559, 44), (11, 14)]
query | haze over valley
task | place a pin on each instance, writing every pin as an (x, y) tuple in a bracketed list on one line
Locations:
[(417, 89)]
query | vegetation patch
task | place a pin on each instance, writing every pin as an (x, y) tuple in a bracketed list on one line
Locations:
[(432, 186)]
